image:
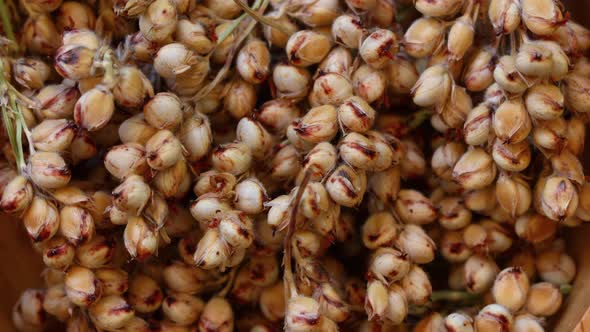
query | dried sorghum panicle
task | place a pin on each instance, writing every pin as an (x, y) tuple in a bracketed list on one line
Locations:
[(356, 115), (534, 59), (550, 135), (182, 308), (126, 159), (379, 230), (330, 89), (445, 157), (479, 70), (234, 158), (235, 229), (274, 36), (319, 124), (193, 34), (253, 61), (140, 240), (40, 35), (136, 130), (240, 98), (511, 288), (348, 30), (453, 248), (558, 198), (17, 195), (414, 241), (555, 267), (58, 253), (544, 299), (132, 195), (412, 207), (96, 253), (389, 265), (76, 225), (544, 101), (291, 82), (461, 36), (73, 15), (277, 114), (513, 194), (423, 37), (511, 122), (504, 16), (346, 185), (82, 287), (255, 136), (575, 90), (211, 251), (49, 170), (453, 214), (114, 281), (302, 314), (57, 101), (31, 73), (163, 111), (307, 47), (217, 315), (541, 17), (56, 302), (111, 312), (475, 169), (207, 207), (508, 77), (433, 87), (41, 219), (459, 322), (494, 317), (158, 22), (512, 157), (527, 322), (195, 136), (163, 150), (144, 294), (94, 109), (479, 273), (285, 162)]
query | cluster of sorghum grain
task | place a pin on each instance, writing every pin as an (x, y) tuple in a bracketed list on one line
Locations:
[(300, 127)]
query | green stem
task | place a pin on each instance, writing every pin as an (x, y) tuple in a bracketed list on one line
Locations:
[(565, 289), (234, 23), (417, 118), (452, 296), (7, 24)]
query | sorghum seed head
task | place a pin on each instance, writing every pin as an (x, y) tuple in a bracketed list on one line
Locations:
[(459, 322), (253, 61), (144, 294), (140, 240), (111, 312), (217, 315), (234, 158), (479, 273), (17, 195), (512, 157), (433, 87), (544, 299), (182, 308), (417, 286), (494, 317), (475, 169), (511, 288), (114, 281), (453, 248), (508, 77), (541, 17), (555, 267), (479, 70), (158, 22), (423, 37), (414, 241), (307, 47), (97, 252), (82, 287)]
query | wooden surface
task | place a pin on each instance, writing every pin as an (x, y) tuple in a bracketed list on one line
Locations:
[(20, 267)]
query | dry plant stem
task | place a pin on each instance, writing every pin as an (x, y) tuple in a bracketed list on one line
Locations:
[(231, 276), (261, 18), (290, 288), (13, 123), (224, 70)]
